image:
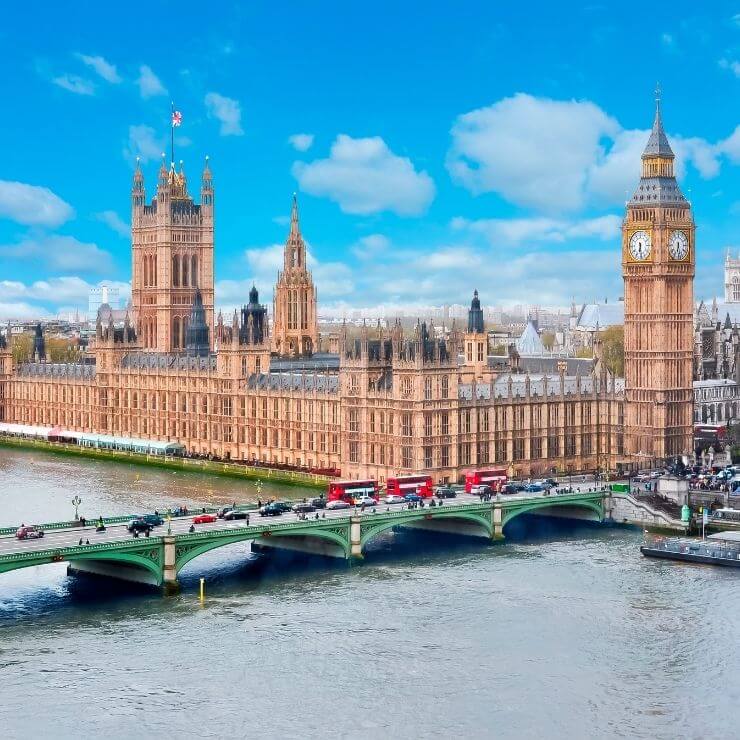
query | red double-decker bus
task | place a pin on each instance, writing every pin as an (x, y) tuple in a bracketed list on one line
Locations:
[(349, 490), (493, 477), (402, 484)]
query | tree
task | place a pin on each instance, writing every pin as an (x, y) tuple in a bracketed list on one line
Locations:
[(21, 346), (584, 352), (548, 340), (612, 346)]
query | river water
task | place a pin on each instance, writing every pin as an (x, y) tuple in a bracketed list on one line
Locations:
[(558, 633)]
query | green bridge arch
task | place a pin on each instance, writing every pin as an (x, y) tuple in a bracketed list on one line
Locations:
[(189, 548), (150, 561), (596, 505), (372, 529)]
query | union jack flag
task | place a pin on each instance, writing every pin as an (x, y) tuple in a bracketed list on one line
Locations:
[(176, 118)]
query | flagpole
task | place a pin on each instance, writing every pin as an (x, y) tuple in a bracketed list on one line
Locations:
[(172, 134)]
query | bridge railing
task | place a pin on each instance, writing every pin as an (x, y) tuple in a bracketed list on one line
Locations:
[(122, 519)]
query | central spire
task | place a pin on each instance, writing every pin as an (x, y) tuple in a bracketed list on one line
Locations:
[(295, 249), (657, 145)]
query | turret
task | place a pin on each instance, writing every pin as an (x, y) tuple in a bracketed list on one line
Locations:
[(206, 188), (39, 345)]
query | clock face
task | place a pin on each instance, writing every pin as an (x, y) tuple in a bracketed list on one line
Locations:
[(678, 245), (640, 245)]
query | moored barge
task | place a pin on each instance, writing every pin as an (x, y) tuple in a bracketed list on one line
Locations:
[(722, 548)]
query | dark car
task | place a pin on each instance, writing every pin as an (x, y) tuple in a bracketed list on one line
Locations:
[(153, 520), (271, 510), (511, 488), (318, 503), (282, 506), (413, 497), (445, 492), (303, 508), (234, 514), (139, 525), (221, 513)]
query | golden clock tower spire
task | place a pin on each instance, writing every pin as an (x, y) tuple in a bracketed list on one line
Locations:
[(658, 268)]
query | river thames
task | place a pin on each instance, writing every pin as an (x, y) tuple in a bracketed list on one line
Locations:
[(563, 632)]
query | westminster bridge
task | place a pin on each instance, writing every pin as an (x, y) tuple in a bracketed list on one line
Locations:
[(158, 559)]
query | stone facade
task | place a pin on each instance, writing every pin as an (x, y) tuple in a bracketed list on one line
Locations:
[(387, 402)]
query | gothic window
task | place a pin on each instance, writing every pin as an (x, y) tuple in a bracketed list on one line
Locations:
[(175, 271), (445, 386), (184, 276), (176, 332), (194, 271), (406, 424), (304, 311), (427, 389)]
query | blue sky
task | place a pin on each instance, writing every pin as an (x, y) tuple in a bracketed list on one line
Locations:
[(435, 147)]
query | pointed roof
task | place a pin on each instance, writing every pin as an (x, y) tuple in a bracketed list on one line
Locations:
[(295, 227), (657, 145), (529, 343)]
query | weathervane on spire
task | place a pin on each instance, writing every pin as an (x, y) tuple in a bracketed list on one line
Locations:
[(657, 95)]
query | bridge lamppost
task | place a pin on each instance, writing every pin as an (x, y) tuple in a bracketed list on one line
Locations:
[(76, 501)]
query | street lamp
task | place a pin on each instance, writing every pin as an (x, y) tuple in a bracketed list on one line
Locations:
[(76, 501)]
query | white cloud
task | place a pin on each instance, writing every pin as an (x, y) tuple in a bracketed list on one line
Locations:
[(301, 142), (68, 293), (32, 205), (730, 64), (75, 84), (149, 84), (227, 111), (668, 40), (731, 146), (558, 156), (115, 222), (102, 67), (144, 143), (22, 311), (370, 246), (364, 176), (502, 231), (64, 253), (535, 152)]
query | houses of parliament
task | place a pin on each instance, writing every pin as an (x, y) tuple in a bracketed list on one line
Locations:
[(251, 387)]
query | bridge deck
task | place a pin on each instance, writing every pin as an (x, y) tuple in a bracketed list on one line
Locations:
[(117, 544)]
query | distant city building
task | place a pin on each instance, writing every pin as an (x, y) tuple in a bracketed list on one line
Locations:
[(100, 295), (732, 278)]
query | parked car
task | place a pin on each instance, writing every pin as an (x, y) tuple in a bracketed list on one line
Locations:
[(204, 519), (534, 488), (367, 500), (318, 503), (303, 508), (153, 520), (234, 514), (271, 510), (139, 525), (394, 498), (337, 504), (412, 498), (445, 492), (282, 505), (511, 488), (29, 533)]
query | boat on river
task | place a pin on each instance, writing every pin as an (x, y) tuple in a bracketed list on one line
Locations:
[(722, 548)]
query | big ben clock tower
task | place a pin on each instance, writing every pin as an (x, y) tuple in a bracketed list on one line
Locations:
[(658, 268)]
